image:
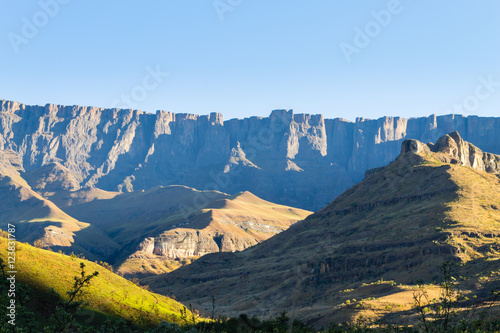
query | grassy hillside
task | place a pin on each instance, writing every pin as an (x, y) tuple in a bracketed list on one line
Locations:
[(160, 208), (69, 198), (109, 295), (400, 225), (140, 233), (129, 214), (40, 219), (187, 222)]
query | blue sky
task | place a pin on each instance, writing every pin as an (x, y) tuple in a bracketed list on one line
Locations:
[(248, 57)]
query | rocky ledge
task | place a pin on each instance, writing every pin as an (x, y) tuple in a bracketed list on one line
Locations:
[(452, 149)]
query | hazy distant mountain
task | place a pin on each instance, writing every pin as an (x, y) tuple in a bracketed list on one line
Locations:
[(434, 203), (299, 160)]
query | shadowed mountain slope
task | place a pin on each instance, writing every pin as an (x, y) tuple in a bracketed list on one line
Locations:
[(158, 228), (144, 232), (39, 219), (434, 203)]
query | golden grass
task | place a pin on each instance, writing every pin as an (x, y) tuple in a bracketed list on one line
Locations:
[(108, 293), (129, 218), (399, 224), (150, 264)]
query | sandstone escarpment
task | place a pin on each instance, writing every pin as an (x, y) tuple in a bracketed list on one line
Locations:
[(453, 149), (185, 243), (300, 160)]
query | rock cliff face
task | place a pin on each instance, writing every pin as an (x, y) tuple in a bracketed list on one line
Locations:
[(300, 160), (454, 150), (186, 243)]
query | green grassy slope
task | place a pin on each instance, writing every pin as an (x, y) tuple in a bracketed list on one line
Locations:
[(108, 295)]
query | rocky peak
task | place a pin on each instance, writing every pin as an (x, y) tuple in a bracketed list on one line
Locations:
[(9, 106), (451, 148)]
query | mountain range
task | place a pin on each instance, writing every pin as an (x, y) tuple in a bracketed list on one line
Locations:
[(298, 160), (142, 232), (203, 209)]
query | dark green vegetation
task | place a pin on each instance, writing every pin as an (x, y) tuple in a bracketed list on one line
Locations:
[(52, 313)]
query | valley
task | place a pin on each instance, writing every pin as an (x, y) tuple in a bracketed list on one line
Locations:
[(115, 187)]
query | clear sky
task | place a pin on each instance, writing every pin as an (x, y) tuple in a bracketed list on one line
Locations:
[(341, 58)]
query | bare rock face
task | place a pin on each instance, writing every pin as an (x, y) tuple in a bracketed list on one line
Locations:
[(183, 243), (186, 243), (455, 150), (415, 147), (299, 160), (238, 158), (465, 153)]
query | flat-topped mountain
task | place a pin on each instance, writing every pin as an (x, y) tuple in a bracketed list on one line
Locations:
[(300, 160), (435, 203)]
